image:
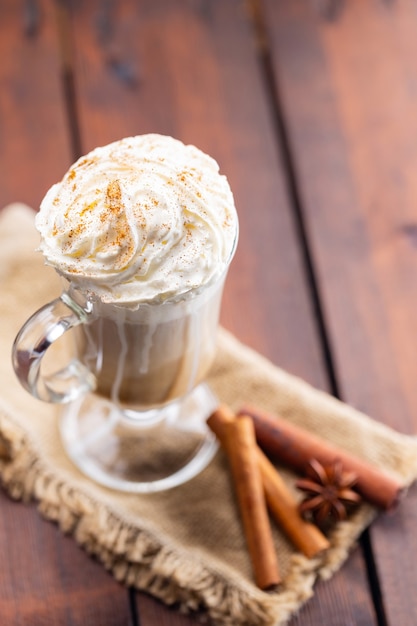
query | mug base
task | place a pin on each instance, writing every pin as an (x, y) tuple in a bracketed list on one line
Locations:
[(140, 452)]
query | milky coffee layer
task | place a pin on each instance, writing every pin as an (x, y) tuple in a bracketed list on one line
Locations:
[(142, 219)]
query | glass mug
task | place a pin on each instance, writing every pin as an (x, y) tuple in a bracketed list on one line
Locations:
[(135, 404)]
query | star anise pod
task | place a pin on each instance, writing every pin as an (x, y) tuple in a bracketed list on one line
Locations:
[(328, 492)]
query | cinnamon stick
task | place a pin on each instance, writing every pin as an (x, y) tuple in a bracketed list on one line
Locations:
[(240, 446), (305, 536), (295, 447)]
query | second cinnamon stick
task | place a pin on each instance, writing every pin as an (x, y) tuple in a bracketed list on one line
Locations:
[(295, 447)]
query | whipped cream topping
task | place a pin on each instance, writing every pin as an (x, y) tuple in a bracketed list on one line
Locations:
[(142, 219)]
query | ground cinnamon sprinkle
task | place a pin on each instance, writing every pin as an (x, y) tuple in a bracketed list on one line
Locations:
[(114, 196), (89, 207)]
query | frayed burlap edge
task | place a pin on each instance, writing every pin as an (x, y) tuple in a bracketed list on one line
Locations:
[(134, 556), (138, 559)]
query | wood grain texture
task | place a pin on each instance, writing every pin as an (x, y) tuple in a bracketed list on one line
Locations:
[(45, 579), (343, 600), (152, 612), (194, 73), (34, 149), (348, 93)]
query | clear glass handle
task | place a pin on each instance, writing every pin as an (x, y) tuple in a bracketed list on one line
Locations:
[(41, 330)]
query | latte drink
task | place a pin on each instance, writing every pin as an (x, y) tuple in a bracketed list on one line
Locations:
[(143, 230)]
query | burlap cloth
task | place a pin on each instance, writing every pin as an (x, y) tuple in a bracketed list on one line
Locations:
[(184, 546)]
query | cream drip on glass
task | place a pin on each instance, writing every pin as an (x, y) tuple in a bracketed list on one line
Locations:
[(141, 220)]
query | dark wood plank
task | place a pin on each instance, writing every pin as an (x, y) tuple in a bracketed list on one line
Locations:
[(192, 72), (45, 578), (344, 600), (348, 94), (152, 612), (34, 147)]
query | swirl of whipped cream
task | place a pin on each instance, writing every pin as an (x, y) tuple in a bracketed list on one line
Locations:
[(142, 219)]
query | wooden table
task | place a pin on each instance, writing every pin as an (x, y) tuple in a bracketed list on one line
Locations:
[(310, 107)]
